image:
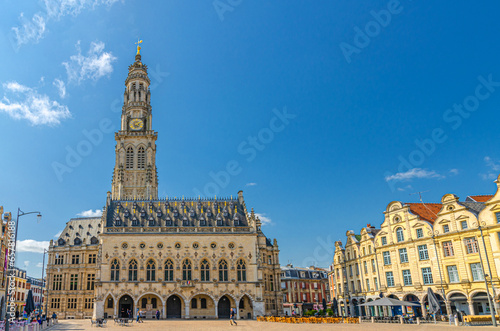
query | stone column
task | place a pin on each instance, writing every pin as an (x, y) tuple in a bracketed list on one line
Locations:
[(98, 309), (424, 311), (164, 310), (471, 307), (238, 309), (186, 305), (115, 309), (216, 309)]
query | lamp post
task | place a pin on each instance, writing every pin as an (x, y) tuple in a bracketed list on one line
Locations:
[(19, 214), (493, 311), (44, 286), (433, 234)]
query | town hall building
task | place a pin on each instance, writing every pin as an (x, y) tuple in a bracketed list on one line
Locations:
[(184, 257)]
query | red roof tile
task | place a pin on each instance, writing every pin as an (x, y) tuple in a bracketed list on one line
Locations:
[(427, 211), (480, 198)]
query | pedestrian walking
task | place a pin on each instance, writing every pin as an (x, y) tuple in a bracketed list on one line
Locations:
[(157, 314), (232, 319)]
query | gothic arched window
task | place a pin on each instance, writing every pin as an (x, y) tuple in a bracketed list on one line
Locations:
[(132, 270), (241, 270), (205, 271), (129, 160), (150, 271), (141, 158), (115, 270), (186, 269), (169, 271), (223, 270)]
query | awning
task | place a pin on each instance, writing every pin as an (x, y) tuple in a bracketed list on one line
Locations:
[(389, 302)]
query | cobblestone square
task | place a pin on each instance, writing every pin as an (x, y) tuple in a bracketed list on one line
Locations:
[(250, 325)]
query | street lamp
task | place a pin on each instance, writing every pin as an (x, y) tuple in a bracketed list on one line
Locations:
[(44, 284), (19, 214), (493, 311), (434, 234)]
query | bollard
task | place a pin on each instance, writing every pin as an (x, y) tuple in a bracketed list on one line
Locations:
[(373, 319), (360, 320), (401, 319), (418, 320)]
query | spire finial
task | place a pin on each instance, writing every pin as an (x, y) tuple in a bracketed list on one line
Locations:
[(138, 43)]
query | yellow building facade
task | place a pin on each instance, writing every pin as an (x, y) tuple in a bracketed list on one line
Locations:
[(450, 247)]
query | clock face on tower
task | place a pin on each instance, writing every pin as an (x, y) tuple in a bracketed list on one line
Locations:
[(136, 124)]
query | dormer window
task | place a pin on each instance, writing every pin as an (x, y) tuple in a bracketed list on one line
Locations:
[(143, 212), (118, 222), (185, 221), (209, 213), (191, 213), (219, 222), (61, 242), (176, 213), (126, 214), (158, 213), (135, 222), (78, 241), (203, 222), (169, 222)]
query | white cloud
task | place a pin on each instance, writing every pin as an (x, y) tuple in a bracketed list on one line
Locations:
[(26, 103), (454, 171), (250, 184), (407, 187), (264, 219), (32, 246), (494, 168), (413, 173), (90, 213), (32, 31), (58, 234), (26, 264), (39, 265), (29, 30), (61, 87), (95, 65)]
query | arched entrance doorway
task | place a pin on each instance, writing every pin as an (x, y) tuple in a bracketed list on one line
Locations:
[(480, 303), (395, 310), (174, 307), (459, 303), (245, 307), (125, 304), (356, 308), (224, 307), (413, 310)]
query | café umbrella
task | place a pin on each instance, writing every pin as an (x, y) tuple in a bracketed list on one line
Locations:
[(30, 304)]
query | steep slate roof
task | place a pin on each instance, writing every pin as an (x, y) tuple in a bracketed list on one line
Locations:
[(427, 211), (178, 211), (479, 198), (474, 207), (83, 228)]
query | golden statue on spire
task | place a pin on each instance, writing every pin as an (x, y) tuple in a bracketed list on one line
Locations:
[(138, 43)]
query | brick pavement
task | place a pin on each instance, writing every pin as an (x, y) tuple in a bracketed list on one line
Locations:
[(84, 325)]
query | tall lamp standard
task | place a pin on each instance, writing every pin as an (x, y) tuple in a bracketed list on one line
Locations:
[(434, 234), (44, 292), (493, 311), (19, 214)]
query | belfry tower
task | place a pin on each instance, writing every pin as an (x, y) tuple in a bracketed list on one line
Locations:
[(135, 174)]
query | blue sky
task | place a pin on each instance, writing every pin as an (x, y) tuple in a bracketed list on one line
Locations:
[(384, 99)]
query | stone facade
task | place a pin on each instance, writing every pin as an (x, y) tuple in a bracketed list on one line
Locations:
[(449, 247), (184, 257)]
